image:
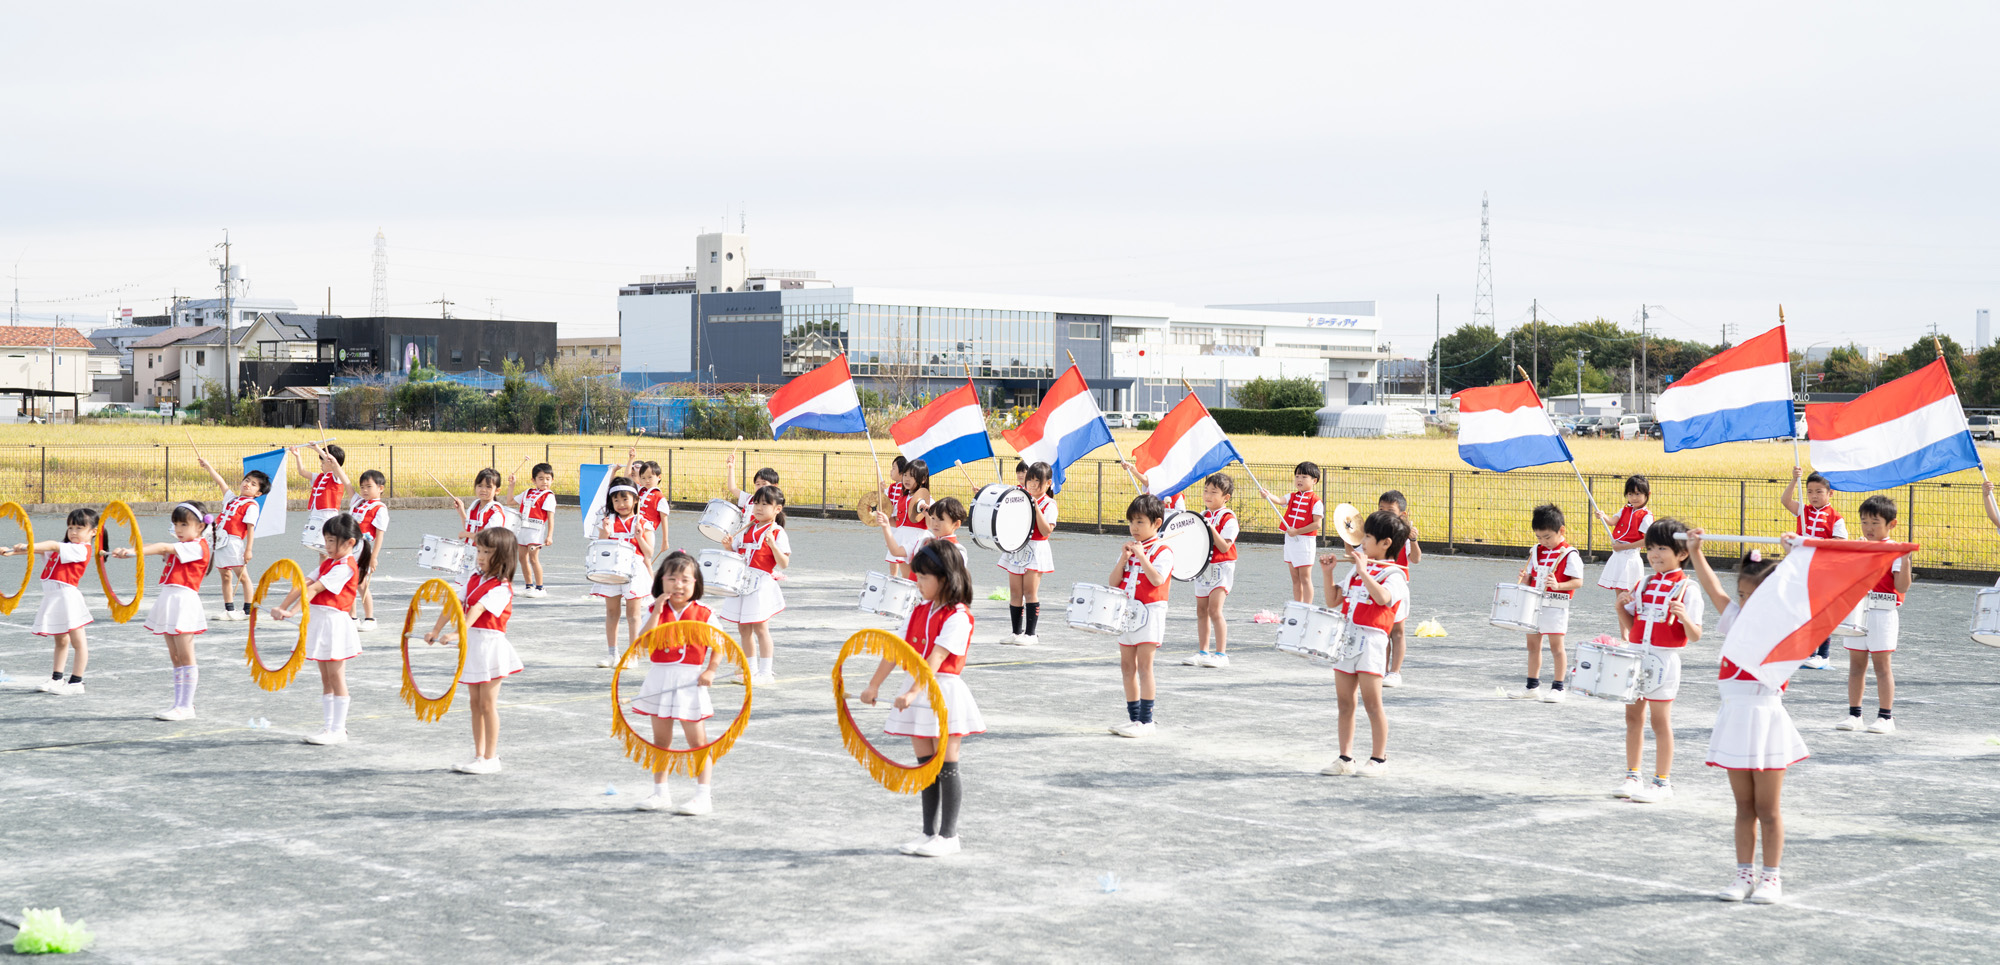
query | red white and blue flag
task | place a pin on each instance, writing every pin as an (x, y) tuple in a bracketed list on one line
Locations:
[(1740, 395), (1186, 447), (1066, 427), (1504, 427), (948, 431), (1906, 431), (822, 399), (1799, 604)]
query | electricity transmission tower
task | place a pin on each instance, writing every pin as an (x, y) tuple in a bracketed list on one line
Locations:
[(1482, 296)]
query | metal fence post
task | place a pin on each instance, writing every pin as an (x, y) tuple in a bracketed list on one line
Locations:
[(600, 455), (1451, 512), (44, 490), (1909, 533), (822, 485), (1100, 495), (1742, 505), (1590, 530), (670, 477), (493, 457), (392, 471), (167, 467)]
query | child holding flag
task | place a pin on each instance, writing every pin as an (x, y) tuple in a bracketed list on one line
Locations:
[(1299, 518), (1663, 617), (1817, 520)]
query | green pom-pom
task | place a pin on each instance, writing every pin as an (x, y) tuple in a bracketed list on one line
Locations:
[(44, 931), (997, 595)]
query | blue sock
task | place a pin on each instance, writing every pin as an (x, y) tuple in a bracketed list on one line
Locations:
[(1132, 709), (1145, 711)]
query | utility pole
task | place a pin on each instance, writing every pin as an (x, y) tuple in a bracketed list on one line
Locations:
[(1510, 353), (1536, 308), (444, 306), (1437, 353), (228, 322), (1579, 383)]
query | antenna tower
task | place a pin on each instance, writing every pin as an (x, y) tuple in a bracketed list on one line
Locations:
[(378, 298), (1482, 296)]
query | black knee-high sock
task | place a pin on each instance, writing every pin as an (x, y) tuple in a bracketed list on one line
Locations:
[(950, 792), (1145, 711), (930, 797), (1014, 614), (1826, 646), (1034, 615)]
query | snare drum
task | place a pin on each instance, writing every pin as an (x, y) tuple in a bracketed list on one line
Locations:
[(1607, 671), (1856, 624), (1517, 607), (724, 573), (1986, 616), (1002, 517), (445, 555), (1187, 534), (721, 520), (889, 596), (510, 520), (532, 532), (1094, 608), (315, 521), (611, 562), (1312, 632)]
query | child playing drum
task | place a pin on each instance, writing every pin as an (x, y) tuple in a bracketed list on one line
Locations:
[(1394, 501), (1662, 617), (1377, 595), (538, 505), (372, 515), (913, 483), (486, 511), (1555, 568), (1145, 572), (329, 484), (1026, 566), (941, 521), (758, 480), (767, 550), (623, 522), (1211, 592)]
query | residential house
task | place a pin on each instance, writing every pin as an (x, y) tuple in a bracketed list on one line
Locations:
[(600, 350), (43, 368)]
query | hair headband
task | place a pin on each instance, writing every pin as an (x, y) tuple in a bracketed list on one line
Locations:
[(196, 510), (615, 490)]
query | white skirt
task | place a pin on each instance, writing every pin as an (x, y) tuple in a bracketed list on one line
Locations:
[(330, 635), (961, 712), (63, 609), (176, 610), (672, 690), (1035, 557), (764, 601), (905, 536), (1752, 730), (1622, 571), (488, 657)]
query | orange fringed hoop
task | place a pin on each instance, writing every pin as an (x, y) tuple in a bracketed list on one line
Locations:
[(888, 773), (433, 591), (280, 678), (121, 611), (12, 510), (693, 761)]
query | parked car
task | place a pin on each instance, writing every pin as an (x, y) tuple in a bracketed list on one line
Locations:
[(1594, 425), (1632, 426), (1565, 425), (1983, 426), (1115, 420)]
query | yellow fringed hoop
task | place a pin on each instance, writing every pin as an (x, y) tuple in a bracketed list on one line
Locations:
[(279, 679), (433, 591), (693, 761), (888, 773), (121, 611), (12, 510)]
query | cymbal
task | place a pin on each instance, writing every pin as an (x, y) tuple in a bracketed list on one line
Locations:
[(1347, 524), (864, 508)]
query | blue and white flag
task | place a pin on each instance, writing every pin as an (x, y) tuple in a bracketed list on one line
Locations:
[(271, 505), (593, 487)]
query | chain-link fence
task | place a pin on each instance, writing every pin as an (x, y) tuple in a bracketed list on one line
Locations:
[(1454, 511)]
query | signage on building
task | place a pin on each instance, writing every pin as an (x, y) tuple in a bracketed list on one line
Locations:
[(357, 356), (1333, 321)]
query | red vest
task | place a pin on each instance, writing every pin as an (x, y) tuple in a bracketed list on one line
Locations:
[(755, 550), (1218, 519), (188, 574), (628, 529), (476, 586), (535, 504), (1631, 525), (1657, 592), (1136, 585), (236, 515), (695, 654), (1559, 565), (368, 512), (1299, 511), (1045, 505), (483, 516), (66, 572), (1816, 522), (1887, 584), (926, 623), (343, 600), (326, 491), (649, 506), (1363, 610)]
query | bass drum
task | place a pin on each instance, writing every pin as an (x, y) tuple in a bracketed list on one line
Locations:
[(1002, 517), (1187, 534)]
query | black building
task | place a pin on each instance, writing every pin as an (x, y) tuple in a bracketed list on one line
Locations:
[(309, 350)]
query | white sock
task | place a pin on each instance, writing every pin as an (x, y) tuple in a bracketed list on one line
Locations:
[(700, 791), (180, 687), (340, 713), (766, 663), (326, 711), (192, 677)]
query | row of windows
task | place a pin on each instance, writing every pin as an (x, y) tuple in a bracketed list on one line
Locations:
[(905, 340)]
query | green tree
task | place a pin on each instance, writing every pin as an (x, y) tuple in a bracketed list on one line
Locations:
[(1845, 370), (1294, 393), (1472, 356), (1985, 388), (1923, 352)]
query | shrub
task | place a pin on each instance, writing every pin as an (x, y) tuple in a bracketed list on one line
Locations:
[(1262, 393), (1269, 422), (1148, 424)]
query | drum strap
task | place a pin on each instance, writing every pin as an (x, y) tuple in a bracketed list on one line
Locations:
[(1646, 636)]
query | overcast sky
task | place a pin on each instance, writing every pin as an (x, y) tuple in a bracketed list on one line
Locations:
[(1712, 159)]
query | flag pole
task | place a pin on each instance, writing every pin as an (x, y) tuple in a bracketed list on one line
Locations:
[(1252, 473), (1796, 462), (998, 473), (1588, 497), (1961, 408), (1136, 488)]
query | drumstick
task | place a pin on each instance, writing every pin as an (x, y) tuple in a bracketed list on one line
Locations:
[(440, 483)]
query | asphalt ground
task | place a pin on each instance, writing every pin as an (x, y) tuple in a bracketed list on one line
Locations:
[(1495, 837)]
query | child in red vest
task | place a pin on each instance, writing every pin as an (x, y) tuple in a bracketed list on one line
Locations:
[(64, 613), (331, 639), (1376, 598), (1662, 615), (1817, 520), (237, 534), (487, 598), (176, 613), (677, 684), (1144, 571)]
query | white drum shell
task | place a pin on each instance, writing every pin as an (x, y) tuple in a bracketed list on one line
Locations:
[(1002, 517), (610, 562), (1607, 672), (1516, 607), (445, 555), (309, 533), (1187, 534), (1986, 616), (1094, 608), (724, 573), (889, 596), (720, 520), (1312, 632)]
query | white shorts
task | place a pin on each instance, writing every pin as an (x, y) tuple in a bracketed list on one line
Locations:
[(1035, 557), (961, 712), (1363, 650), (63, 609), (639, 587), (488, 656), (1752, 731), (228, 551), (1665, 662), (1152, 629), (1554, 619), (1884, 626), (1299, 550), (1223, 576), (330, 635), (176, 610), (673, 691)]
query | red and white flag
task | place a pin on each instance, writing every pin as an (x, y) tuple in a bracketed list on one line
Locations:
[(1800, 603)]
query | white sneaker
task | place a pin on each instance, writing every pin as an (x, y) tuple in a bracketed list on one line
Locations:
[(1373, 768), (326, 737), (535, 592), (1554, 696), (1849, 722), (462, 765), (175, 713), (69, 689), (239, 616), (1627, 787), (1741, 887), (1770, 890), (1217, 660), (48, 686), (699, 804), (763, 679), (1030, 640), (367, 625), (1012, 640), (485, 765), (1882, 725), (1654, 793), (607, 660), (654, 801), (937, 847), (1526, 693), (911, 846), (1133, 728), (1392, 679), (1198, 658), (1814, 662), (1339, 768)]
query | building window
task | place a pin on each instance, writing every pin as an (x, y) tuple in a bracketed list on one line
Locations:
[(593, 353), (407, 352), (711, 260), (1128, 334), (1242, 337), (457, 358), (200, 357), (1088, 331), (1187, 335), (730, 256)]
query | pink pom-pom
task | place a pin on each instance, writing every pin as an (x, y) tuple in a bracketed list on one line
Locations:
[(1756, 556)]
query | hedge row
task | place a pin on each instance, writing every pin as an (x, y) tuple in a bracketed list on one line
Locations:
[(1269, 422)]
